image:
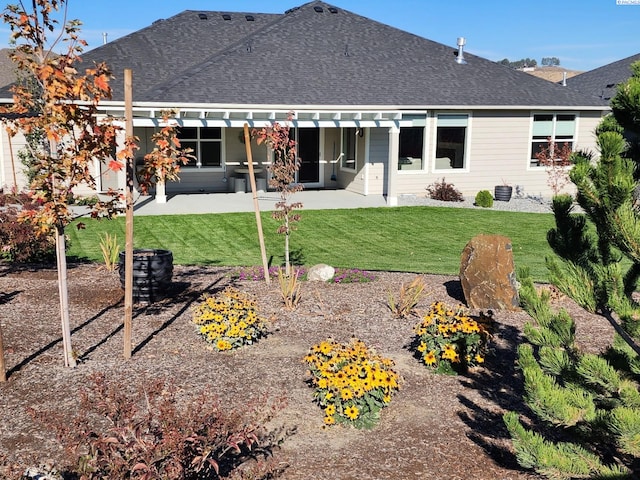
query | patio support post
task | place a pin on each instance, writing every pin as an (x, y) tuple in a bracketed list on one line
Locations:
[(392, 177), (161, 193)]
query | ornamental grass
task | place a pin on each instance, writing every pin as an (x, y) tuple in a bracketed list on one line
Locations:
[(351, 382), (449, 340), (229, 320)]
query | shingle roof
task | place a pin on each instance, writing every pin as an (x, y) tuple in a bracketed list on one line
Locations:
[(315, 54), (7, 68), (602, 82)]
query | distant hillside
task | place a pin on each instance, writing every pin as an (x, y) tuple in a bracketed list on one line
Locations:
[(551, 74)]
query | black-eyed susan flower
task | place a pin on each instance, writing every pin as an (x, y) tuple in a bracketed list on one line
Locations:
[(351, 382), (447, 336), (229, 320), (352, 412)]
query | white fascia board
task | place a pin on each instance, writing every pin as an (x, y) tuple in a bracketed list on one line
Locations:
[(348, 109)]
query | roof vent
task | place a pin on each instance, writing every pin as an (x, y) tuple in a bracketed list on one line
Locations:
[(333, 9), (202, 16), (250, 18), (318, 9), (226, 16), (460, 53)]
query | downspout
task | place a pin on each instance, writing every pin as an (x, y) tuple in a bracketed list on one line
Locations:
[(367, 141)]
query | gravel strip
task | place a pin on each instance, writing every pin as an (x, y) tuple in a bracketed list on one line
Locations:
[(523, 204)]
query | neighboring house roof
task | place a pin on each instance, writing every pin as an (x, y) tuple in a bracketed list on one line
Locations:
[(7, 68), (552, 74), (603, 81), (314, 55)]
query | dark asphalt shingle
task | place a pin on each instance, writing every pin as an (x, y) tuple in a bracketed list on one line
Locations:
[(305, 57), (602, 82)]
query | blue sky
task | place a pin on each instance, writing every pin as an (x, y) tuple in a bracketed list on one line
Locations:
[(583, 34)]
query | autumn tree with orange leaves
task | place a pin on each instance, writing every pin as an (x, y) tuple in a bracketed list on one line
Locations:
[(61, 102), (162, 164)]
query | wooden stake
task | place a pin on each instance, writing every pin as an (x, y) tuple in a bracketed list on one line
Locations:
[(256, 206), (13, 165), (128, 251), (61, 255), (3, 369)]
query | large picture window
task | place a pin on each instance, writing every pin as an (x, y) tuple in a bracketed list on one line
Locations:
[(349, 148), (206, 143), (451, 139), (410, 154), (559, 128)]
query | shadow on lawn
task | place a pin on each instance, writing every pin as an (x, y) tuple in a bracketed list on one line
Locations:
[(501, 384)]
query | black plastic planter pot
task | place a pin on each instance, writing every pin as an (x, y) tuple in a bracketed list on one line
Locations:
[(152, 272), (502, 193)]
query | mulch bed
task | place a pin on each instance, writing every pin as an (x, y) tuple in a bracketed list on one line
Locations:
[(444, 427)]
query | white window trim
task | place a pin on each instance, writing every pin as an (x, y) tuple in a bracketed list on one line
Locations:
[(555, 114), (467, 143), (425, 158), (343, 148), (207, 168)]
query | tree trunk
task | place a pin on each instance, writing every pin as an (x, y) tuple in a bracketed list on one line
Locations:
[(61, 257), (287, 264), (3, 372)]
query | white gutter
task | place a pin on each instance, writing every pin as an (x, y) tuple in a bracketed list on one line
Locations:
[(342, 108), (296, 108)]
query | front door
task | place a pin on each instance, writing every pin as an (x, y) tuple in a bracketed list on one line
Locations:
[(308, 149)]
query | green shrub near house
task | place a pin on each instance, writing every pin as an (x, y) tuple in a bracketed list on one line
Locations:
[(484, 199)]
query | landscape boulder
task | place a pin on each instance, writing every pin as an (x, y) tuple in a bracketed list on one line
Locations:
[(487, 273), (321, 273)]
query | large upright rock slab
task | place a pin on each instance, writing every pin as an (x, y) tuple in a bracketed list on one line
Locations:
[(487, 273)]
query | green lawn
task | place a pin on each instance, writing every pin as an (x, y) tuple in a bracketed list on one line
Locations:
[(413, 239)]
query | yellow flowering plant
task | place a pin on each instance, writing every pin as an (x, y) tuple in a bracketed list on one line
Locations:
[(351, 382), (449, 340), (229, 320)]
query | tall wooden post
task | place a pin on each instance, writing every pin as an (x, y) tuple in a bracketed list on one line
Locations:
[(3, 368), (256, 205), (128, 252)]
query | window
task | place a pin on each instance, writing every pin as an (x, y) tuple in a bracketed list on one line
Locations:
[(410, 152), (451, 139), (206, 143), (349, 148), (559, 128)]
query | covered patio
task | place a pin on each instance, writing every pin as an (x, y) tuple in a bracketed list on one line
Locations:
[(198, 203)]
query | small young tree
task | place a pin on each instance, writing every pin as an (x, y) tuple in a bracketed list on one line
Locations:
[(283, 178), (59, 103), (556, 161)]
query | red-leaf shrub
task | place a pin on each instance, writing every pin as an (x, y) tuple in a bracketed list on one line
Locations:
[(153, 431), (19, 242), (441, 190)]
